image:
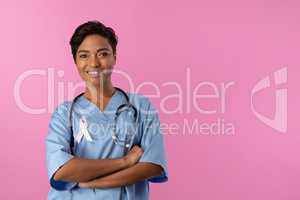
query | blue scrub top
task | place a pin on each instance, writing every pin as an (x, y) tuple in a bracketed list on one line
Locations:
[(146, 133)]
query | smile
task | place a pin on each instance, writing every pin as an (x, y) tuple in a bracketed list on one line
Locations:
[(93, 73)]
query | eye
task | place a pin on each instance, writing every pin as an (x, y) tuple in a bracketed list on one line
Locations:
[(103, 54), (82, 56)]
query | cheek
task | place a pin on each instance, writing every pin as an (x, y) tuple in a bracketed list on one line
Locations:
[(109, 62), (80, 68)]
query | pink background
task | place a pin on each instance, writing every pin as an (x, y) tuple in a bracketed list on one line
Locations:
[(220, 41)]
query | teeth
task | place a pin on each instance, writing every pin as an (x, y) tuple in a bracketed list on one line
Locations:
[(93, 73)]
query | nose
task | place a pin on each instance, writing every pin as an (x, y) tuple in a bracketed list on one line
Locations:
[(94, 62)]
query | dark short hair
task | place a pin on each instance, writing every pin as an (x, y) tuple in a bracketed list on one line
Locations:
[(91, 28)]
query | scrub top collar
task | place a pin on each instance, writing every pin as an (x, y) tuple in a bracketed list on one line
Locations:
[(85, 107)]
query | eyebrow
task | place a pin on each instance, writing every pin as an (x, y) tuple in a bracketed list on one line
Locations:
[(101, 49)]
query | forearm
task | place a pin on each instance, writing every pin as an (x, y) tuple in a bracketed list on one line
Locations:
[(128, 176), (82, 170)]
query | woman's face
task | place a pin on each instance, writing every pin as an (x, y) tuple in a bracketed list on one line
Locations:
[(95, 60)]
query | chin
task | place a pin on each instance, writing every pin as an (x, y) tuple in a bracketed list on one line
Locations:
[(95, 83)]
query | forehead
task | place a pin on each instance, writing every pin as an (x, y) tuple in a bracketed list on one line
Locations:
[(94, 42)]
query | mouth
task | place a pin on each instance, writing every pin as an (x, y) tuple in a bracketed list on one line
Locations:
[(93, 73)]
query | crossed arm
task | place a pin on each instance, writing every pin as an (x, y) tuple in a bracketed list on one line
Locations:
[(107, 173), (128, 176)]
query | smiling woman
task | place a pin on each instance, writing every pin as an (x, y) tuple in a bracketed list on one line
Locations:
[(119, 164), (95, 60), (94, 52)]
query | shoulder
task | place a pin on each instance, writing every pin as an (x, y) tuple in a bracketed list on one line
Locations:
[(62, 110), (142, 103), (139, 100)]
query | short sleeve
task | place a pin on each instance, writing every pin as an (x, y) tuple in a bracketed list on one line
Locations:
[(58, 150), (152, 142)]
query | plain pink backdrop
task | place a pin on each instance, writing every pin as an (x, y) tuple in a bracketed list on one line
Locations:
[(219, 41)]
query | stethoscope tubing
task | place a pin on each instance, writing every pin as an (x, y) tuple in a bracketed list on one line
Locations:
[(119, 110)]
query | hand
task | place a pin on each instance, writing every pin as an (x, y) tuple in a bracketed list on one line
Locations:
[(133, 155)]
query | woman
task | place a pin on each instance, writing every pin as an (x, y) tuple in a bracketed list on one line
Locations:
[(91, 154)]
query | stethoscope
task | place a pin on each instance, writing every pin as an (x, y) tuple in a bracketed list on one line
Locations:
[(126, 143)]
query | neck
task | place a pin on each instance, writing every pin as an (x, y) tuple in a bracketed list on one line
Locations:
[(100, 92)]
